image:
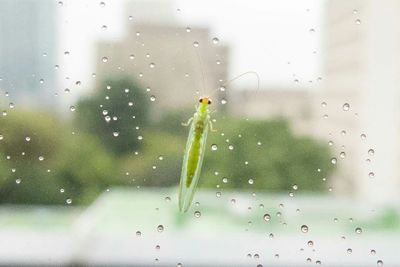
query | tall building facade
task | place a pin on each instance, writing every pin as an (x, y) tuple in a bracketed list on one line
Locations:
[(361, 69), (27, 49), (176, 64)]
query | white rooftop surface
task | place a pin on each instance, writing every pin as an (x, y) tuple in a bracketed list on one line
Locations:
[(105, 234)]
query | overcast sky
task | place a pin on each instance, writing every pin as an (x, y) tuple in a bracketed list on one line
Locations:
[(278, 39)]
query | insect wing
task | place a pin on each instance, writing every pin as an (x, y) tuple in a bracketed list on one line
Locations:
[(186, 194)]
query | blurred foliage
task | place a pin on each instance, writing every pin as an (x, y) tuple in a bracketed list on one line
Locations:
[(159, 161), (41, 157), (116, 108), (44, 162), (266, 151)]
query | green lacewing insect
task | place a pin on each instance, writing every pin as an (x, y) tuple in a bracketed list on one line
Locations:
[(200, 124), (194, 153)]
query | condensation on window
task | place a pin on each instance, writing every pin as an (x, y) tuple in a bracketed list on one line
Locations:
[(199, 133)]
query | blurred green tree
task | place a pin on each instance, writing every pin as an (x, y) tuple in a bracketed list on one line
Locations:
[(39, 158), (267, 152), (264, 155), (113, 114), (158, 162)]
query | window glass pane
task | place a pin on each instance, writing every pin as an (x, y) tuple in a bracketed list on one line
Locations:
[(199, 133)]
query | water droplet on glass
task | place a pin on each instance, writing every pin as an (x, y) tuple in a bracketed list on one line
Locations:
[(250, 181), (295, 187), (215, 40), (104, 59), (28, 138), (160, 228), (358, 22), (152, 65), (371, 175), (304, 228), (218, 194), (333, 160), (225, 180), (72, 108), (18, 181), (363, 136), (68, 201), (358, 230), (310, 243), (214, 147), (115, 134), (188, 29), (342, 155), (62, 190), (138, 233), (41, 158), (230, 147), (78, 83), (323, 104), (102, 4), (311, 30), (140, 137), (197, 214), (371, 152), (373, 252), (346, 106), (196, 44), (152, 98), (349, 250), (379, 263), (267, 217), (223, 101)]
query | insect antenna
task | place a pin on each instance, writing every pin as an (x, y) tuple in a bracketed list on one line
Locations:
[(239, 76), (202, 70)]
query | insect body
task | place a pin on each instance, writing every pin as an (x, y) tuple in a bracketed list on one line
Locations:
[(194, 153)]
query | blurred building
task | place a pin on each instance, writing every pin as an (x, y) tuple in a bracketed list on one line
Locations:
[(27, 49), (294, 105), (362, 66), (171, 61)]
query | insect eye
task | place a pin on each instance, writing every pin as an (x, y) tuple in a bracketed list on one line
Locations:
[(201, 100), (209, 101)]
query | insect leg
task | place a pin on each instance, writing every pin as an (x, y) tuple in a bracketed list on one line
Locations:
[(187, 123), (211, 127)]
